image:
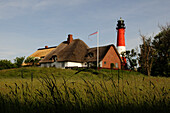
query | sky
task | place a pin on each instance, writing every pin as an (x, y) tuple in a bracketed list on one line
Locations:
[(26, 25)]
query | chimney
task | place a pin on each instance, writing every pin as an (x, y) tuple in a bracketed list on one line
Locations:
[(70, 38), (46, 47)]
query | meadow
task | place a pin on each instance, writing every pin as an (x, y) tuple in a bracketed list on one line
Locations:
[(51, 90)]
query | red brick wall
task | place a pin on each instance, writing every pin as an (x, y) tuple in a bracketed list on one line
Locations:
[(70, 38), (111, 57)]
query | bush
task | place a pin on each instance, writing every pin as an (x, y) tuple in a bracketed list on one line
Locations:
[(32, 60), (6, 64), (18, 61)]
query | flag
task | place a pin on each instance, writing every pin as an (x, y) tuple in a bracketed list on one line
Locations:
[(93, 33), (97, 32)]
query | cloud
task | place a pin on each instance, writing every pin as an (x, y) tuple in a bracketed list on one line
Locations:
[(6, 52), (13, 8), (45, 3), (11, 52)]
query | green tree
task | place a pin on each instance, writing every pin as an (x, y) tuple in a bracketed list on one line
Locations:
[(155, 55), (146, 56), (32, 60), (18, 61), (29, 59), (131, 57), (161, 43), (6, 64)]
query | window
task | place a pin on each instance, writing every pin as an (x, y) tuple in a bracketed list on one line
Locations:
[(90, 54), (116, 65), (42, 57), (62, 64), (54, 57), (104, 62)]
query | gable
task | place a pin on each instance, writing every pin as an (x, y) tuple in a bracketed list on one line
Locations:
[(91, 55), (111, 57)]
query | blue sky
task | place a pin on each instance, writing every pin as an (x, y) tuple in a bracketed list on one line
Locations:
[(26, 25)]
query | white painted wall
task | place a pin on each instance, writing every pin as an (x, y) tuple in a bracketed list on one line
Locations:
[(64, 64), (58, 64), (84, 64), (54, 64), (46, 65), (121, 49), (100, 63), (73, 64)]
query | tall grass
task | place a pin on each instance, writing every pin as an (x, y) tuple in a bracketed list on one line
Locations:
[(85, 92)]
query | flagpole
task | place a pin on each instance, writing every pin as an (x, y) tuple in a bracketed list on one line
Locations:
[(97, 32), (98, 49)]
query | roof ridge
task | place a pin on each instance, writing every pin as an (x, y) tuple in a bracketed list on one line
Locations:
[(103, 46), (47, 48)]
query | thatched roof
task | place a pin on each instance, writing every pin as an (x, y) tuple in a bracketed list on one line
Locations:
[(91, 55), (75, 52), (42, 52), (48, 57)]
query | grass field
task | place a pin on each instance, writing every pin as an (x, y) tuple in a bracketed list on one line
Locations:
[(51, 90)]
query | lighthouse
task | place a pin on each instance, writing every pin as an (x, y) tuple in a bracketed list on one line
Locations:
[(121, 38)]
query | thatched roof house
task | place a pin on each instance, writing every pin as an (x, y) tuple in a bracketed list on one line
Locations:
[(75, 53), (42, 52)]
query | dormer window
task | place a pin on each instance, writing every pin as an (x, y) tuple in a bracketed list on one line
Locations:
[(54, 57), (91, 55), (42, 57)]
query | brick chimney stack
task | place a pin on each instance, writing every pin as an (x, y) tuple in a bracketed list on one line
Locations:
[(70, 38), (46, 47)]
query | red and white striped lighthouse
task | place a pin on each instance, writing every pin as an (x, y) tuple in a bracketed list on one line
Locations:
[(121, 38)]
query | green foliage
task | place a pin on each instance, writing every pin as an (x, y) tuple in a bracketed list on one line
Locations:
[(6, 64), (18, 61), (32, 60), (80, 94), (37, 71), (40, 71), (131, 56), (155, 55), (161, 64), (146, 55), (29, 59)]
